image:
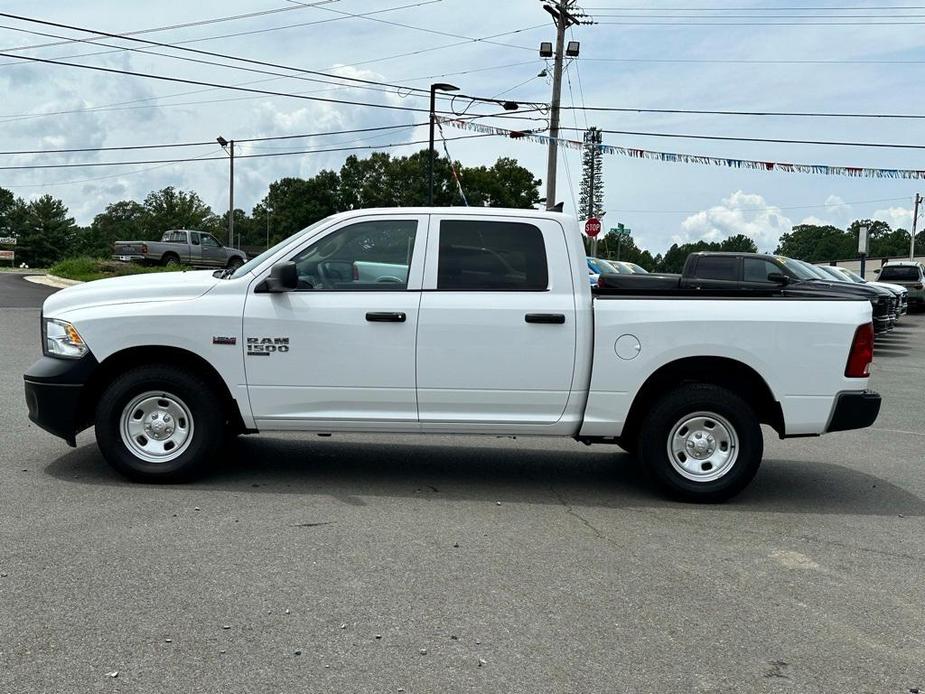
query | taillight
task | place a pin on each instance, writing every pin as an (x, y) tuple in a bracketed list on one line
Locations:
[(144, 249), (862, 352)]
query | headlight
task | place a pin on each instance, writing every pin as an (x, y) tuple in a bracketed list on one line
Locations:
[(62, 339)]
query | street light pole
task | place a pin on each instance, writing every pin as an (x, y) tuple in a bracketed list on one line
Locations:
[(434, 88), (228, 146)]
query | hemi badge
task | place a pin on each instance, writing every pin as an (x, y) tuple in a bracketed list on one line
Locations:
[(224, 340)]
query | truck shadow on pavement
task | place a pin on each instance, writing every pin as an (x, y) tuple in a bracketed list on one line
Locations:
[(358, 472)]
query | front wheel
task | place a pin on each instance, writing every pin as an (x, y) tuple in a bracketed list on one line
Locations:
[(702, 443), (158, 424), (234, 263)]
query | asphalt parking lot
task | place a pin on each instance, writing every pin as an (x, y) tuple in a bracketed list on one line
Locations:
[(388, 564)]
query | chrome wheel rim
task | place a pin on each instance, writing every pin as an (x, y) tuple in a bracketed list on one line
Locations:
[(703, 446), (156, 427)]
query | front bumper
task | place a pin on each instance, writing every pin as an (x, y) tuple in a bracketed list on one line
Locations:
[(54, 388), (854, 411)]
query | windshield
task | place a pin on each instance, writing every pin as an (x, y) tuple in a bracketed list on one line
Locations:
[(795, 268), (258, 260), (832, 273), (907, 273), (637, 269), (853, 276)]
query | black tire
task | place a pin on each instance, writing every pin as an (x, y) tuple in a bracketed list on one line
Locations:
[(656, 434), (170, 259), (206, 423), (234, 263)]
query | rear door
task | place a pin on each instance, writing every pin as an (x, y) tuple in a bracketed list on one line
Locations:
[(497, 331), (715, 272)]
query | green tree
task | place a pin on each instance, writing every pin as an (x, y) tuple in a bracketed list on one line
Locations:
[(738, 243), (504, 184), (120, 221), (46, 232), (815, 243), (170, 208)]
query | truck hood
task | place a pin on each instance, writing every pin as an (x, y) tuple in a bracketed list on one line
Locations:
[(160, 286)]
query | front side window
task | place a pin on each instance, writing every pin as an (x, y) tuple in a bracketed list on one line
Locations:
[(491, 256), (758, 269), (373, 255), (209, 242), (717, 268)]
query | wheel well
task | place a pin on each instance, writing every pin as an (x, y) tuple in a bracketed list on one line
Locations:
[(119, 362), (169, 254), (721, 371)]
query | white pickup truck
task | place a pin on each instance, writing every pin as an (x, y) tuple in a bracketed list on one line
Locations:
[(446, 320)]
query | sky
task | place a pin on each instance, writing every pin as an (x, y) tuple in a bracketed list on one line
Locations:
[(651, 54)]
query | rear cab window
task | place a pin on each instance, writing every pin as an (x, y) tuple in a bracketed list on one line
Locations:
[(902, 273), (717, 267), (489, 255)]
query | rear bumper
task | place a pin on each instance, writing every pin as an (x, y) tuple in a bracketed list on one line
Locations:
[(131, 258), (54, 390), (854, 411)]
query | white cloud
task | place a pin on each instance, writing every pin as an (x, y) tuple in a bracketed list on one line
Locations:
[(896, 217), (740, 213)]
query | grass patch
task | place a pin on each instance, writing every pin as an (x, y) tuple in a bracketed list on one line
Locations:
[(87, 269)]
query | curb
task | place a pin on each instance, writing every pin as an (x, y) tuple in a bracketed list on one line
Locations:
[(52, 281)]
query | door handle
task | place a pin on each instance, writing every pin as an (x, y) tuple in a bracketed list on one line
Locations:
[(385, 317), (555, 318)]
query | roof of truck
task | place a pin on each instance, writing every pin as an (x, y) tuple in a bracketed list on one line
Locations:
[(467, 211)]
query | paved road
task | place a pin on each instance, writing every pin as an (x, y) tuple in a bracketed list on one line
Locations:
[(359, 552), (16, 292)]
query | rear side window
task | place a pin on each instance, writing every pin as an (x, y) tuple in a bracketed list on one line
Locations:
[(757, 270), (907, 273), (175, 237), (500, 256), (717, 268)]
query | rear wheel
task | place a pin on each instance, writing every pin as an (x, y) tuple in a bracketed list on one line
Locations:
[(702, 443), (170, 259), (159, 424)]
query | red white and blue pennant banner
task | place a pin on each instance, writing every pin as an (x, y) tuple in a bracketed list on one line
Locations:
[(820, 169)]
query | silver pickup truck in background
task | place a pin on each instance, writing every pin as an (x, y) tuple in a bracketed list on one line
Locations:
[(180, 246)]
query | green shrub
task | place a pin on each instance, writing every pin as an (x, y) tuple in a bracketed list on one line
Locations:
[(86, 269)]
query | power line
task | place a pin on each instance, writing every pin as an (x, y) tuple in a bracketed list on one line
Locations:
[(757, 61), (729, 138), (760, 16), (125, 105), (186, 25), (761, 24), (794, 114), (78, 165), (196, 51), (122, 148), (180, 80), (756, 9), (417, 28)]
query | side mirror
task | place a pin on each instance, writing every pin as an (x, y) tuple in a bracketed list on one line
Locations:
[(778, 278), (284, 277)]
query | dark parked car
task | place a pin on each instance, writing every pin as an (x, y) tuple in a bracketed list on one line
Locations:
[(720, 273)]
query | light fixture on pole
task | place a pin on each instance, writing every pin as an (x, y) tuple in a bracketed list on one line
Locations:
[(434, 88), (228, 146)]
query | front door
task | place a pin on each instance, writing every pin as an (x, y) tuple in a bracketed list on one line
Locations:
[(496, 341), (212, 251), (338, 353)]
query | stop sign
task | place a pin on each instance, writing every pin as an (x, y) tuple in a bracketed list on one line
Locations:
[(593, 227)]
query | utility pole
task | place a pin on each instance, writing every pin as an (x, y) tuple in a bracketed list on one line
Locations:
[(228, 146), (915, 223), (563, 19)]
